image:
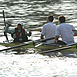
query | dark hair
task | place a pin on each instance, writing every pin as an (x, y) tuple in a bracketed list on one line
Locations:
[(61, 19), (50, 18)]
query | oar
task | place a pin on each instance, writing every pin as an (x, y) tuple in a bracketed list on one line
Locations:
[(14, 47), (5, 26), (42, 40), (38, 45), (59, 49), (26, 43)]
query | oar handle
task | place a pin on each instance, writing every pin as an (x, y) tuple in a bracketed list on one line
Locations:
[(44, 40), (41, 40)]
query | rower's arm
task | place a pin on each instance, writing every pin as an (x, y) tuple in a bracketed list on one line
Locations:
[(56, 39), (28, 33), (74, 32), (42, 37), (8, 30)]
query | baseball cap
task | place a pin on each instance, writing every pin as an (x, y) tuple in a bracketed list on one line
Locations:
[(21, 23)]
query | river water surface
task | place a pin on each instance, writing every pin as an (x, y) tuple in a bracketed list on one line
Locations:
[(33, 14)]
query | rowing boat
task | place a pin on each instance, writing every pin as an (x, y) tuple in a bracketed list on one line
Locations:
[(41, 49)]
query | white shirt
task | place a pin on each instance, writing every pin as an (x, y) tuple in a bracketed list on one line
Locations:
[(65, 30), (49, 31)]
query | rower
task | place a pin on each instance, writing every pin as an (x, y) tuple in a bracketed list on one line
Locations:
[(49, 30), (65, 31), (19, 34)]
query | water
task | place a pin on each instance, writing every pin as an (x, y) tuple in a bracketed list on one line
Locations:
[(33, 14), (35, 65)]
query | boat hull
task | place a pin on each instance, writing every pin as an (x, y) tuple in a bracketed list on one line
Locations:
[(42, 48)]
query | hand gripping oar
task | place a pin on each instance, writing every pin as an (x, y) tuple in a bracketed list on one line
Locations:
[(5, 26), (42, 40)]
